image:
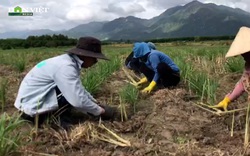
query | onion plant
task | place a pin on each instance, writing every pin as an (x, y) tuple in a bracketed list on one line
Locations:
[(3, 90), (129, 94), (235, 65), (93, 78), (203, 86), (10, 137)]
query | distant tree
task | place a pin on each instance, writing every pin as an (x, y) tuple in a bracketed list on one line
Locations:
[(39, 43), (6, 47), (26, 44), (197, 38), (62, 37), (54, 37), (128, 41), (31, 38), (51, 44)]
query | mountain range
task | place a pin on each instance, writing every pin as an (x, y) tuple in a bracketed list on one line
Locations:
[(192, 19)]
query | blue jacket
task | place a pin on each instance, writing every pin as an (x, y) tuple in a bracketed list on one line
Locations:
[(154, 58)]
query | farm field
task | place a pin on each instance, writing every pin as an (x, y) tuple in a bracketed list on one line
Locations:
[(166, 122)]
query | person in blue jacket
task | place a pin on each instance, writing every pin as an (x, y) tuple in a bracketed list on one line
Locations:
[(134, 63), (157, 67)]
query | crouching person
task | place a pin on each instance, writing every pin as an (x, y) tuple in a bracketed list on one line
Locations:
[(54, 86), (134, 63), (158, 68)]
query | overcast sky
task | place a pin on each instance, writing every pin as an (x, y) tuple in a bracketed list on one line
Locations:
[(65, 14)]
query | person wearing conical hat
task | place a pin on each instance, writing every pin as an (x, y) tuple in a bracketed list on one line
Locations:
[(240, 46), (54, 85)]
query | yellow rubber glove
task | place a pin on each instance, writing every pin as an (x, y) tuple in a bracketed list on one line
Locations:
[(149, 88), (143, 80), (223, 104)]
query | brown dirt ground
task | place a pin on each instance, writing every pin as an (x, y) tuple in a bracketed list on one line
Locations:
[(166, 123)]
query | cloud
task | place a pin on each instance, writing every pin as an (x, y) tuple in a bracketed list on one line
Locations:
[(95, 10), (65, 14), (163, 4), (125, 8), (242, 4)]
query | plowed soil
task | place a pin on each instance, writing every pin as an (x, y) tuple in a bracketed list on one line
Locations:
[(167, 122)]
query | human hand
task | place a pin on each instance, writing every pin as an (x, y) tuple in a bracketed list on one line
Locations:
[(223, 104), (108, 112), (103, 110), (137, 84), (149, 88)]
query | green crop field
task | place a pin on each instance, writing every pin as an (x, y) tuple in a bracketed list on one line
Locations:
[(172, 121)]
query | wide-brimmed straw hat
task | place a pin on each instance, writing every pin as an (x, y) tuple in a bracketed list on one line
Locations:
[(88, 46), (241, 43)]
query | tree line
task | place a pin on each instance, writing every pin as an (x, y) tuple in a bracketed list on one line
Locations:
[(61, 40), (38, 41), (195, 38)]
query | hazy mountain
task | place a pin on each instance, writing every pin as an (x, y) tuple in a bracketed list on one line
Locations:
[(89, 29), (192, 19), (26, 33), (124, 28), (198, 19)]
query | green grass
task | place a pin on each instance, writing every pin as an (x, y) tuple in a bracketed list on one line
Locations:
[(203, 82), (92, 79), (10, 137), (20, 63), (129, 94), (203, 86), (180, 140), (235, 65), (193, 73), (3, 90)]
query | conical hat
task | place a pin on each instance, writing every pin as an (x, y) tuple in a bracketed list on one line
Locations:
[(241, 43)]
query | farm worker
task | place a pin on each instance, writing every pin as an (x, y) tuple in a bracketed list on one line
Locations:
[(134, 63), (240, 46), (54, 84), (157, 67)]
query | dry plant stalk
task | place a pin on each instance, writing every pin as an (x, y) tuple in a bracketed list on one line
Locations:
[(219, 112), (80, 132), (207, 105), (36, 124), (88, 132), (72, 138), (128, 75), (234, 110), (106, 138), (62, 136), (124, 116), (232, 127), (134, 75), (113, 139), (246, 140), (128, 82), (126, 142), (246, 84), (206, 109)]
